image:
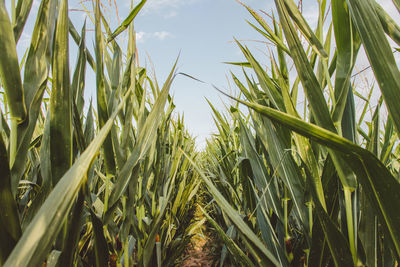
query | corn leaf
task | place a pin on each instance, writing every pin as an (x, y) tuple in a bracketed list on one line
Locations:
[(100, 243), (235, 251), (319, 108), (337, 243), (21, 13), (235, 217), (102, 109), (379, 54), (60, 100), (145, 140), (35, 83), (305, 29), (38, 237), (9, 68), (10, 230), (380, 186), (125, 24), (389, 25)]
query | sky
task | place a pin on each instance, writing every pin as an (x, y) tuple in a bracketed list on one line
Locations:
[(202, 32)]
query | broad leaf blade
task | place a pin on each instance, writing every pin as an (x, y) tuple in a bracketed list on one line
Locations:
[(22, 13), (38, 237), (235, 217), (124, 25), (9, 68), (379, 54), (60, 100), (10, 230), (380, 186)]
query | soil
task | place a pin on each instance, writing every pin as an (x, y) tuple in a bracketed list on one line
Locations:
[(198, 253)]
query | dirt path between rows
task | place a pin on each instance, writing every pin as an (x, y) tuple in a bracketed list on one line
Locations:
[(198, 254), (199, 251)]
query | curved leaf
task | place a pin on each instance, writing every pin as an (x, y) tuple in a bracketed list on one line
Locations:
[(381, 187), (379, 54), (235, 217), (124, 25), (38, 237)]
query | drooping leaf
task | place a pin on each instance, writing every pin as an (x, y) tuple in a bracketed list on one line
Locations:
[(145, 140), (124, 25), (9, 68), (235, 217), (379, 54), (39, 235), (380, 185), (21, 12), (235, 251), (35, 83)]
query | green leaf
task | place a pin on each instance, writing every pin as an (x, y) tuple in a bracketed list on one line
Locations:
[(269, 34), (45, 170), (77, 39), (380, 185), (389, 25), (242, 64), (235, 217), (266, 83), (21, 12), (74, 231), (379, 54), (155, 228), (369, 231), (347, 45), (78, 80), (261, 177), (102, 109), (337, 243), (313, 92), (9, 68), (52, 260), (124, 25), (145, 139), (35, 83), (305, 29), (100, 243), (60, 100), (11, 79), (233, 248), (10, 230), (40, 234), (397, 4)]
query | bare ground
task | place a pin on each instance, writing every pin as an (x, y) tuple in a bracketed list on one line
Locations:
[(198, 253)]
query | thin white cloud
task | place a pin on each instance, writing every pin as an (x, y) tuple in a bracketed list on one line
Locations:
[(161, 4), (162, 35), (143, 36), (171, 14), (140, 36), (167, 8)]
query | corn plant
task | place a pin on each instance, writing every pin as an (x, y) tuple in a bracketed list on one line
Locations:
[(314, 184), (87, 184)]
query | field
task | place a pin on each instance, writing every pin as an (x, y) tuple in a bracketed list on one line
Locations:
[(295, 175)]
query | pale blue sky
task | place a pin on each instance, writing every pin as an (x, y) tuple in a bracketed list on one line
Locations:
[(202, 31)]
